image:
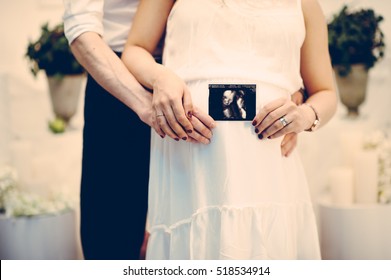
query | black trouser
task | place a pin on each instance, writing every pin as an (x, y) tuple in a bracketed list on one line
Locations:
[(115, 171)]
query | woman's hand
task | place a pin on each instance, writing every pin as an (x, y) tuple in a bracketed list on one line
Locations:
[(172, 104), (201, 122), (280, 117)]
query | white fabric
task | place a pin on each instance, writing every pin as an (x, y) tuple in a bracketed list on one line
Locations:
[(111, 19), (236, 198)]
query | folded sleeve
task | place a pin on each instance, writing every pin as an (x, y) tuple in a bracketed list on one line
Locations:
[(81, 16)]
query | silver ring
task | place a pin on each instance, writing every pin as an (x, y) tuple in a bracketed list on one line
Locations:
[(283, 122)]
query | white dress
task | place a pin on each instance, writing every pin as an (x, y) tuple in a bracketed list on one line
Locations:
[(236, 198)]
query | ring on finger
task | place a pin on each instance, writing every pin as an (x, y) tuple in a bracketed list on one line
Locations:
[(160, 115), (283, 122)]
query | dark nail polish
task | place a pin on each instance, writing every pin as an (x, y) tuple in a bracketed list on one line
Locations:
[(254, 123), (269, 137), (176, 139), (162, 136), (260, 136), (189, 114), (184, 138), (256, 130), (189, 131)]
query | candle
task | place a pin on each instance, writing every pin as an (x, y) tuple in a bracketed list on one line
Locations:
[(366, 170), (341, 185)]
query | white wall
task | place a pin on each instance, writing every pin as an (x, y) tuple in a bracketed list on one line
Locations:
[(21, 21)]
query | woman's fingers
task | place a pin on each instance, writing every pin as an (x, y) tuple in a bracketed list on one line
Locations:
[(172, 100), (279, 117), (187, 105), (258, 121), (279, 127), (201, 123), (161, 119), (178, 120), (156, 127)]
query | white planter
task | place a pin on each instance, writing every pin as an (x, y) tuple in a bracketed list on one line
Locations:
[(356, 232), (46, 237), (64, 94), (352, 88)]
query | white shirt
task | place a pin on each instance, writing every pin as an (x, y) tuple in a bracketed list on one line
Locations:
[(111, 19)]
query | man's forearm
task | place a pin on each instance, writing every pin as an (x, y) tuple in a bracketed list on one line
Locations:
[(108, 70)]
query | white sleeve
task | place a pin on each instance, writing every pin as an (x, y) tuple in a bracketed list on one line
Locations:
[(81, 16)]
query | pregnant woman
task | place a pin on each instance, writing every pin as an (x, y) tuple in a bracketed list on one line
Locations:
[(238, 197)]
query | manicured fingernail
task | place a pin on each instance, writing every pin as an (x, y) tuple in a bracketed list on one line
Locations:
[(184, 138), (176, 139), (269, 137), (260, 136), (189, 114), (256, 130), (162, 136), (189, 131), (254, 123)]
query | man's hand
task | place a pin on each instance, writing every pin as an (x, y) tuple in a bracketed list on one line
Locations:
[(289, 142), (203, 125)]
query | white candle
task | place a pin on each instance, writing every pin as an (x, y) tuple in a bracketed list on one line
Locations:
[(366, 170), (341, 185)]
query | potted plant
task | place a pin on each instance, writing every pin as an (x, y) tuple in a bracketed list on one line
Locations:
[(356, 43), (33, 226), (51, 53)]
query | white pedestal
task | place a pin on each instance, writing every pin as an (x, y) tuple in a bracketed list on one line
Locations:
[(47, 237), (358, 232)]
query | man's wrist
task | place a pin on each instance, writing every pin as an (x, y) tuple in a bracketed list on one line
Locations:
[(304, 93)]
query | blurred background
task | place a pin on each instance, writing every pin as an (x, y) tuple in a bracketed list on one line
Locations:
[(347, 162)]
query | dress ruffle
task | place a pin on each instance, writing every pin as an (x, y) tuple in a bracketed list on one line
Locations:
[(269, 231)]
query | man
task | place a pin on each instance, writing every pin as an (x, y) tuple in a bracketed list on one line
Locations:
[(118, 115)]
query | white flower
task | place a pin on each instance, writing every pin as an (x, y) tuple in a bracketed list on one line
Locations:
[(14, 202), (8, 180), (380, 142), (19, 203)]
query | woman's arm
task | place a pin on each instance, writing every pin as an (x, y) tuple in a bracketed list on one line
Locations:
[(171, 98), (316, 67), (316, 71)]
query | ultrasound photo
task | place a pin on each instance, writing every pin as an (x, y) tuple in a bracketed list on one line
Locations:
[(232, 102)]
